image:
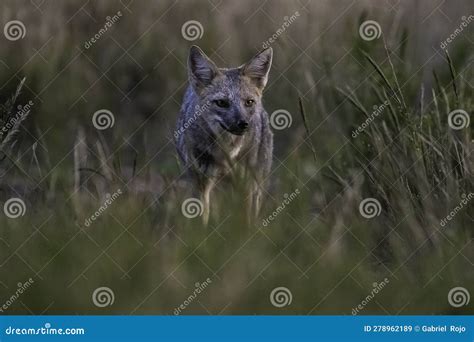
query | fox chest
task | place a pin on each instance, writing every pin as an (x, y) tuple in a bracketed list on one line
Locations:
[(235, 150), (228, 154)]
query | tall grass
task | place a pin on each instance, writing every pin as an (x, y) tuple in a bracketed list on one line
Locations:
[(320, 246)]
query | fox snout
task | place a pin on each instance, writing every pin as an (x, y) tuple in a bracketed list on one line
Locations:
[(240, 128), (237, 129), (243, 125), (237, 126), (232, 120)]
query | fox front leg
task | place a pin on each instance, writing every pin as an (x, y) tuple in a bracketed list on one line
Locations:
[(254, 202), (203, 192), (206, 199)]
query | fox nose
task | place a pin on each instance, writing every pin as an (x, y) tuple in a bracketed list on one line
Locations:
[(243, 124)]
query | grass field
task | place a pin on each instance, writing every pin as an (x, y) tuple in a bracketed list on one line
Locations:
[(371, 189)]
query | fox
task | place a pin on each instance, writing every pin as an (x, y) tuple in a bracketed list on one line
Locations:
[(222, 125)]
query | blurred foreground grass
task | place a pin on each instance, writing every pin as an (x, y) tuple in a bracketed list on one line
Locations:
[(320, 247)]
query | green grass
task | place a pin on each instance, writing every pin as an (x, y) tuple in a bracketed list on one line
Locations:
[(319, 247)]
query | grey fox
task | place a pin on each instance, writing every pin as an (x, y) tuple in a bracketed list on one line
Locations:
[(222, 124)]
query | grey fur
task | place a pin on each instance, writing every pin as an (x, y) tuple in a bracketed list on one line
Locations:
[(211, 139)]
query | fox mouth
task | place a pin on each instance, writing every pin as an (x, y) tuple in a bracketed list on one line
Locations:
[(235, 131)]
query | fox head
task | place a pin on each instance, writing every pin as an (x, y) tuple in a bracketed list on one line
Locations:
[(232, 96)]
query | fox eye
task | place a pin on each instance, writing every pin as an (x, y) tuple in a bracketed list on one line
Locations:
[(222, 103), (249, 103)]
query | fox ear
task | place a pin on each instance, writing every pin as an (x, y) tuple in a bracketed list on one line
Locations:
[(200, 68), (259, 67)]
